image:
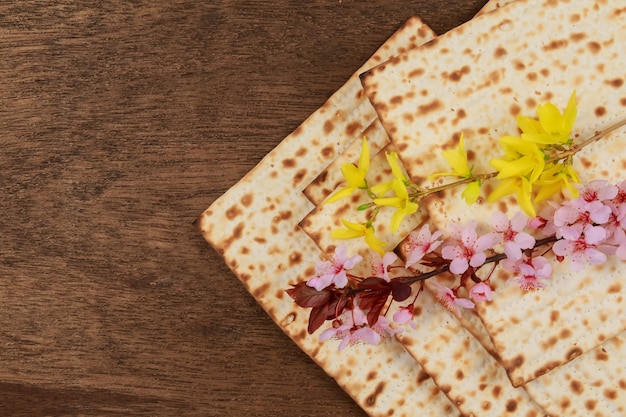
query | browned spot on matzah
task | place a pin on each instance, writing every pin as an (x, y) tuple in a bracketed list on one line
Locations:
[(299, 176), (590, 404), (282, 215), (552, 340), (430, 107), (261, 290), (458, 74), (422, 376), (565, 333), (247, 199), (295, 258), (511, 405), (496, 391), (371, 399), (353, 128), (577, 37), (297, 131), (611, 394), (416, 72), (594, 47), (600, 111), (328, 126), (615, 288), (289, 163), (616, 82), (328, 152), (301, 152), (554, 315), (237, 233), (233, 212), (576, 386), (556, 44), (601, 355), (396, 100), (499, 52)]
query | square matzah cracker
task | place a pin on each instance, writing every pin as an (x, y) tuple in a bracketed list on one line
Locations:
[(253, 226), (475, 80)]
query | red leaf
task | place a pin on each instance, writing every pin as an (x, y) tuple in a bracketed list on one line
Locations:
[(374, 283), (374, 298), (306, 296), (375, 307), (317, 318)]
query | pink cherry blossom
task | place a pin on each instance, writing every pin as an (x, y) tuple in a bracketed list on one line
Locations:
[(621, 193), (511, 233), (616, 225), (404, 315), (383, 328), (333, 271), (581, 212), (598, 190), (351, 327), (448, 298), (583, 248), (529, 271), (420, 243), (590, 207), (481, 292), (465, 248), (380, 265)]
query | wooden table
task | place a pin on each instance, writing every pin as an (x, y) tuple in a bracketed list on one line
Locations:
[(120, 122)]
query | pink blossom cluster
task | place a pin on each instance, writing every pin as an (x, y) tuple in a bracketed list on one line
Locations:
[(584, 230), (589, 227)]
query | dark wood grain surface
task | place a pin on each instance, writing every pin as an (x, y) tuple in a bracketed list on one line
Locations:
[(120, 122)]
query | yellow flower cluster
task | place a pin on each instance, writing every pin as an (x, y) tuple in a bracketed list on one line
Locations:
[(535, 165), (530, 167), (457, 159), (393, 193)]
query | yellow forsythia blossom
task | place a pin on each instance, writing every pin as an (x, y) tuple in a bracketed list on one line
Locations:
[(356, 230), (552, 126), (354, 175), (404, 206)]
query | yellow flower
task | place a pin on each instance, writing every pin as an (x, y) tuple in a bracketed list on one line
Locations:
[(356, 230), (457, 159), (354, 176), (404, 206), (396, 171), (522, 158), (555, 178), (553, 127), (522, 189), (471, 192)]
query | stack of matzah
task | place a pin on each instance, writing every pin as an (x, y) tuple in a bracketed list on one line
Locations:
[(554, 352)]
